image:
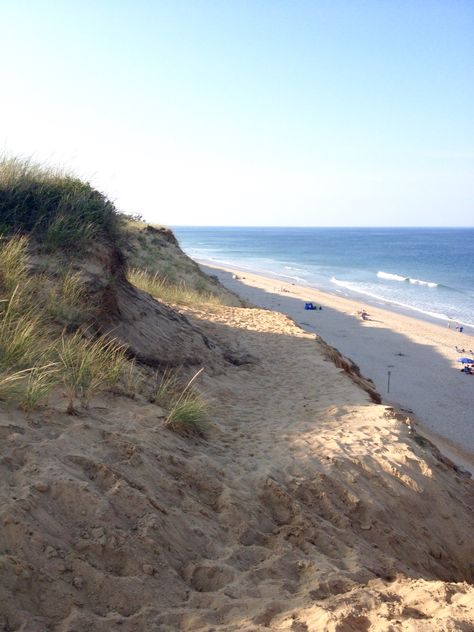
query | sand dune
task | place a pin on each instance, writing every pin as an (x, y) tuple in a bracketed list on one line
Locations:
[(306, 508)]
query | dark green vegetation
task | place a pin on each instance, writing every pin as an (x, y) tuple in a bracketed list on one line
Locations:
[(49, 338), (56, 209)]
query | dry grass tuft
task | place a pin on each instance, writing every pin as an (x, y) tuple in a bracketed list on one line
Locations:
[(174, 293)]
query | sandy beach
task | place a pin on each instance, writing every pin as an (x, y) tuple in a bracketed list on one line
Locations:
[(425, 377), (304, 506), (237, 317)]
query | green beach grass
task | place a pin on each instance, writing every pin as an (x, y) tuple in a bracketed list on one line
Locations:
[(35, 354), (174, 293), (57, 209), (46, 341)]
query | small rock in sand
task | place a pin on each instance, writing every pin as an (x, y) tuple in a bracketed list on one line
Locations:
[(148, 569), (78, 582), (41, 487)]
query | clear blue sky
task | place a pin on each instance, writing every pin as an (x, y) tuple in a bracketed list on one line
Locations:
[(250, 112)]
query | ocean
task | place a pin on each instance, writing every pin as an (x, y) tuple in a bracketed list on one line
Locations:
[(427, 272)]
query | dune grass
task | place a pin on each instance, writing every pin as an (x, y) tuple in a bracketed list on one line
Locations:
[(37, 385), (12, 263), (65, 301), (174, 293), (59, 210), (167, 388), (189, 415), (131, 383), (188, 411), (27, 373), (21, 334), (12, 385), (49, 211), (35, 355), (88, 366)]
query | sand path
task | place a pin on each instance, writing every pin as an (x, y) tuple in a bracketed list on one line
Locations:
[(306, 508), (330, 471), (421, 356)]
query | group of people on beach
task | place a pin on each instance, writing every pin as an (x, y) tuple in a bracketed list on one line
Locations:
[(462, 350), (468, 367)]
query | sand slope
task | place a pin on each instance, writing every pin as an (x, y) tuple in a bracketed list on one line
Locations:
[(420, 355), (308, 507)]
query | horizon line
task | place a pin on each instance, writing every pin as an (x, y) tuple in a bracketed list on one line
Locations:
[(313, 226)]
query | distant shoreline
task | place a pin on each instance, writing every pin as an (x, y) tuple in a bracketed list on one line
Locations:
[(420, 354), (410, 312)]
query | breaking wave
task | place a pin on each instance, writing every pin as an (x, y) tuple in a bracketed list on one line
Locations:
[(355, 287), (427, 283), (391, 277), (398, 277)]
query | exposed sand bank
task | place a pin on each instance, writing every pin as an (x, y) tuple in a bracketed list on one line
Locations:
[(307, 509), (421, 356)]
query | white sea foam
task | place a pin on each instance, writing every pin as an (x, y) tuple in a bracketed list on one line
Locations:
[(391, 277), (355, 287), (397, 277), (347, 284), (426, 283)]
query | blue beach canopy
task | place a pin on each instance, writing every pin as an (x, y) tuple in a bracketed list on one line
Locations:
[(466, 360)]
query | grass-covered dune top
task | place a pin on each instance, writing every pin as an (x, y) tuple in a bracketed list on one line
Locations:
[(61, 214), (61, 314), (157, 265), (57, 209)]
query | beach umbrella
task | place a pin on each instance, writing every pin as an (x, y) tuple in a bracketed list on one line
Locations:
[(466, 360)]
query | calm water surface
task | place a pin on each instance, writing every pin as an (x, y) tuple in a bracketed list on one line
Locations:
[(425, 271)]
